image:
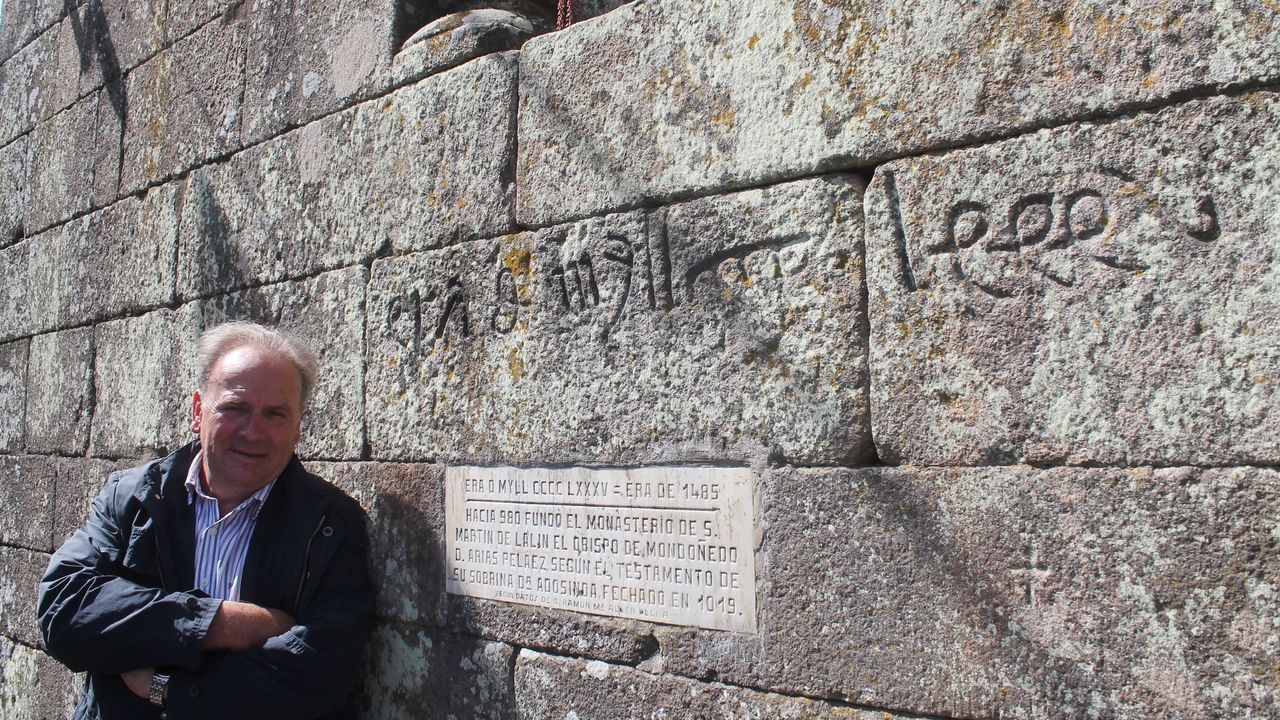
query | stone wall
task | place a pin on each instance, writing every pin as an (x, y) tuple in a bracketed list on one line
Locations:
[(985, 294)]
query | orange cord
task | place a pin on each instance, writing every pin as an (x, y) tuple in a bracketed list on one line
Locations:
[(564, 14)]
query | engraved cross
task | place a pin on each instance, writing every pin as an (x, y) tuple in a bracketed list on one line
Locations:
[(1033, 575)]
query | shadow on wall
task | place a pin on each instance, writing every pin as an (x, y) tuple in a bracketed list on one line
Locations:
[(216, 252), (93, 41), (414, 666)]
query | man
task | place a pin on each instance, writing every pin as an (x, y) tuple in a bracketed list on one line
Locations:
[(222, 581)]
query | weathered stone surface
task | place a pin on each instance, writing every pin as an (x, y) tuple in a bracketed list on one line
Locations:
[(98, 42), (410, 674), (610, 639), (114, 261), (18, 104), (181, 17), (75, 161), (307, 58), (631, 337), (79, 482), (34, 686), (27, 487), (184, 105), (24, 21), (1097, 294), (462, 36), (671, 97), (59, 392), (587, 9), (557, 687), (423, 167), (405, 504), (16, 27), (20, 573), (127, 32), (15, 282), (65, 70), (144, 376), (13, 395), (15, 162), (1013, 592), (327, 311)]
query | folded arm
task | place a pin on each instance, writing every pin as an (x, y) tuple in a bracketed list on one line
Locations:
[(226, 659), (96, 615), (304, 672)]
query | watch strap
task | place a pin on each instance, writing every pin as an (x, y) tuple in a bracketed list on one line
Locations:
[(159, 690)]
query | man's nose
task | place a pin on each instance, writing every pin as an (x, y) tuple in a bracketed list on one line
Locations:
[(254, 426)]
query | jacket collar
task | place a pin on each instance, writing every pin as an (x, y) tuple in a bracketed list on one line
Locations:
[(163, 494), (288, 514)]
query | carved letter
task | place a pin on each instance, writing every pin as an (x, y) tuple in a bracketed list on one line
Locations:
[(899, 231), (588, 291), (455, 301), (558, 287), (1030, 220), (396, 310), (1207, 230), (506, 306), (618, 250), (966, 226), (1086, 214)]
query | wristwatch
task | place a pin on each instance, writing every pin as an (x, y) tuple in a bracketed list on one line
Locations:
[(159, 691)]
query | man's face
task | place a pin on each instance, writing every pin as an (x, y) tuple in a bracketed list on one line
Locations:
[(248, 417)]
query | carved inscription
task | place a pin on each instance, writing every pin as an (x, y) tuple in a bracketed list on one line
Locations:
[(1031, 227), (506, 310), (596, 280), (592, 276), (602, 281), (420, 318), (669, 545), (1000, 245)]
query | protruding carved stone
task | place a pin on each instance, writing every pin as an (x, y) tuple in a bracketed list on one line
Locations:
[(630, 337), (1054, 293)]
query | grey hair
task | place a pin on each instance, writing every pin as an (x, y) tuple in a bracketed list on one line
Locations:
[(219, 340)]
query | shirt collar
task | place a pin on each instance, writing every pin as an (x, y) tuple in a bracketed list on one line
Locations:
[(194, 489)]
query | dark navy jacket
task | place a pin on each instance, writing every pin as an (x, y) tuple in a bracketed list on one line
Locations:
[(118, 595)]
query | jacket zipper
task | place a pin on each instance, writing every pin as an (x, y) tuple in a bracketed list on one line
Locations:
[(160, 562), (306, 565), (155, 535)]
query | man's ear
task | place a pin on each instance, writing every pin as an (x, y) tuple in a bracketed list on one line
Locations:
[(195, 412)]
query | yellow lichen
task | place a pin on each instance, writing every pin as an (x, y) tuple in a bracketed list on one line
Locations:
[(515, 365), (519, 261), (727, 118)]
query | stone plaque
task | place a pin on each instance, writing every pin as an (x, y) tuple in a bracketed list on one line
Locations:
[(664, 544)]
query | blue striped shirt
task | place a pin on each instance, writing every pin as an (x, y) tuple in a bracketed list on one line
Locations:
[(221, 543)]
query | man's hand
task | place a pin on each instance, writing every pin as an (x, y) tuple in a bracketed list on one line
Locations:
[(139, 681), (240, 626)]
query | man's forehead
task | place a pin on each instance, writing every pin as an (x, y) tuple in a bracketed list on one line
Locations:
[(240, 391), (249, 359), (247, 367)]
